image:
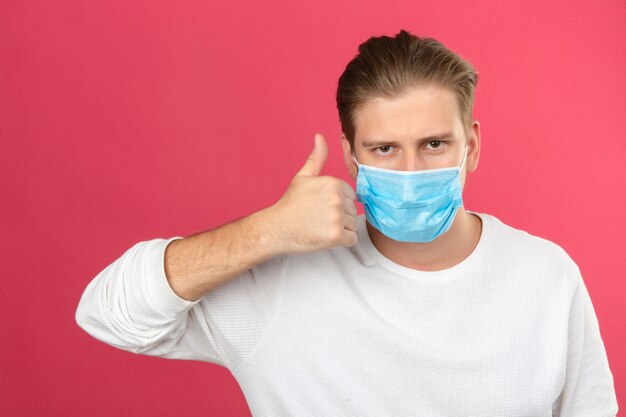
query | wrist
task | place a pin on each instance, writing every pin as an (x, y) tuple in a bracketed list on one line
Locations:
[(269, 228)]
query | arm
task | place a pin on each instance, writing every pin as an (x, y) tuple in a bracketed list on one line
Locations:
[(588, 388), (151, 300), (314, 213), (201, 262)]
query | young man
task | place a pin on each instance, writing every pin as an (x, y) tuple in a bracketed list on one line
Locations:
[(417, 308)]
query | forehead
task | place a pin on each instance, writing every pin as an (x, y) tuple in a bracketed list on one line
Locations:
[(420, 112)]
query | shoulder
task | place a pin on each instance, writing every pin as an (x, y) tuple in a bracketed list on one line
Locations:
[(529, 249)]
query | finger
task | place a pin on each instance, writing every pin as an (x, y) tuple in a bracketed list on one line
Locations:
[(347, 190), (317, 158), (349, 222), (348, 238), (349, 207)]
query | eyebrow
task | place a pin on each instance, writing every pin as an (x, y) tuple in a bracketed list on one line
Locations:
[(370, 143)]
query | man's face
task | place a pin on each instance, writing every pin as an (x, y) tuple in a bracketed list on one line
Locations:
[(421, 130)]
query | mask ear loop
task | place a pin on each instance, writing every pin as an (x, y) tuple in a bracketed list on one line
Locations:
[(464, 157)]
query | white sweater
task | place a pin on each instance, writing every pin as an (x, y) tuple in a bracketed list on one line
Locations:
[(509, 331)]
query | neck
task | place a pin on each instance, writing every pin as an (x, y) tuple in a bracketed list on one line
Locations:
[(443, 252)]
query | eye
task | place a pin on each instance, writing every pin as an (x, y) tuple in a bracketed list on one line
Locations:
[(383, 149), (438, 144)]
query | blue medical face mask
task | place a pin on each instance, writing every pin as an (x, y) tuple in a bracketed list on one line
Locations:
[(410, 206)]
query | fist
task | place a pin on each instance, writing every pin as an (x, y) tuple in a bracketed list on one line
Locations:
[(316, 212)]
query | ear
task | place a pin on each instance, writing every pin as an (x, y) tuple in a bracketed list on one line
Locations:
[(473, 151), (353, 169)]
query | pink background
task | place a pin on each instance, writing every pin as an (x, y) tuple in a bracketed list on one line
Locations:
[(126, 121)]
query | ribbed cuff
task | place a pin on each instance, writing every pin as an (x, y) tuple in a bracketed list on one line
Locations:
[(162, 296)]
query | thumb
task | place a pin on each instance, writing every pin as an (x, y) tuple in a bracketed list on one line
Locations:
[(317, 158)]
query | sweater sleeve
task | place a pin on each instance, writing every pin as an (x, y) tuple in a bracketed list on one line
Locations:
[(588, 389), (131, 306)]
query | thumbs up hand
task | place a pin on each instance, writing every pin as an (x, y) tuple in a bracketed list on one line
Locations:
[(316, 212)]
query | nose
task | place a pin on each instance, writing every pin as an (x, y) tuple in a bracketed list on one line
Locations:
[(410, 162)]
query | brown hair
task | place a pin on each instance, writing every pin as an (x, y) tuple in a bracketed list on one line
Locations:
[(387, 67)]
